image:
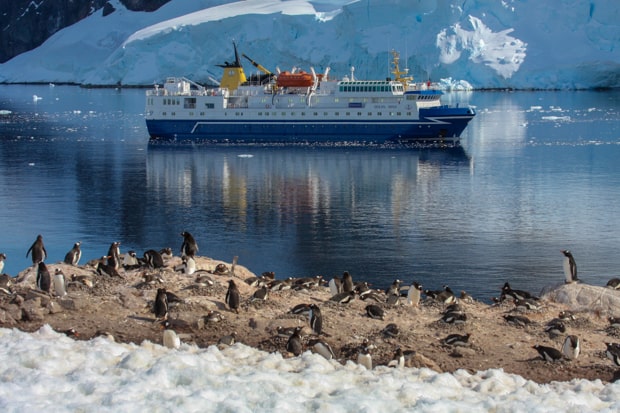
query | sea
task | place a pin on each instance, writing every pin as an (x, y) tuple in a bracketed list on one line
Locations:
[(537, 172)]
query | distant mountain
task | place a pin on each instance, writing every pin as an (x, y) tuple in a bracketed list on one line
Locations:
[(26, 24), (520, 44)]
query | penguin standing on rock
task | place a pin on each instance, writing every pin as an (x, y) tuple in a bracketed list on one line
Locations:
[(74, 255), (294, 344), (414, 294), (39, 254), (59, 283), (161, 305), (232, 297), (44, 281), (570, 267), (114, 255), (153, 259), (189, 248), (347, 282), (316, 319)]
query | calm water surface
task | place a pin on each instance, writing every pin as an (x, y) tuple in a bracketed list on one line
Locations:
[(537, 172)]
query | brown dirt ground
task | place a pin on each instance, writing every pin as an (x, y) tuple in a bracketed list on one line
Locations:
[(122, 307)]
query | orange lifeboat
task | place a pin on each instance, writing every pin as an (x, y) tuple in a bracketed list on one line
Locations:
[(299, 79)]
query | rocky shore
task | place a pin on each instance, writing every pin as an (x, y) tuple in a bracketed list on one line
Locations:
[(121, 307)]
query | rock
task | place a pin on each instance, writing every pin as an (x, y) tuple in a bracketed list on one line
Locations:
[(32, 311), (582, 297)]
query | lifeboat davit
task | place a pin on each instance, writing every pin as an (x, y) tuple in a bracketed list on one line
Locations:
[(299, 79)]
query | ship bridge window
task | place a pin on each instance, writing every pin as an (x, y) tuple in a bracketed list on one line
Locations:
[(210, 105), (189, 103)]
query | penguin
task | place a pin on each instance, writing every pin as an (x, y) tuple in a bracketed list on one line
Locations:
[(567, 315), (391, 331), (614, 283), (394, 288), (2, 259), (285, 332), (44, 281), (316, 319), (103, 268), (517, 320), (59, 283), (526, 304), (549, 354), (322, 347), (39, 253), (507, 291), (343, 298), (613, 352), (614, 321), (347, 282), (227, 341), (188, 265), (300, 309), (454, 317), (214, 317), (398, 360), (232, 297), (171, 339), (555, 328), (114, 255), (364, 357), (74, 255), (130, 260), (153, 259), (571, 347), (161, 305), (414, 294), (294, 344), (446, 296), (570, 267), (374, 311), (189, 247), (261, 294), (457, 340), (335, 286)]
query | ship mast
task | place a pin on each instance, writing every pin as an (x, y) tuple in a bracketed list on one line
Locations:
[(398, 74)]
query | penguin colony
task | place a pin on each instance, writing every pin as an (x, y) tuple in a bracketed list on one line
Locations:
[(310, 325)]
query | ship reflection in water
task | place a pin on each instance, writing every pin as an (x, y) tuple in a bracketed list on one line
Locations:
[(308, 211)]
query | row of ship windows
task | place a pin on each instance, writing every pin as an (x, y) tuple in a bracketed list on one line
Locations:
[(274, 114)]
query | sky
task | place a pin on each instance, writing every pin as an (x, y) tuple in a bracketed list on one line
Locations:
[(523, 44)]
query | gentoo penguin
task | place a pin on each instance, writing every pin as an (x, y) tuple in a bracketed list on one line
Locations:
[(613, 352), (39, 254), (398, 360), (571, 347), (347, 282), (322, 347), (457, 340), (2, 258), (166, 253), (570, 267), (364, 357), (614, 283), (227, 341), (343, 298), (335, 286), (374, 311), (44, 281), (300, 309), (614, 321), (187, 266), (232, 296), (130, 260), (74, 255), (567, 315), (171, 339), (103, 268), (261, 294), (549, 354), (316, 319), (517, 320), (508, 291), (189, 248), (161, 305), (446, 296), (294, 344), (414, 294), (555, 328), (391, 331), (153, 259), (114, 255), (214, 316), (59, 283), (394, 288)]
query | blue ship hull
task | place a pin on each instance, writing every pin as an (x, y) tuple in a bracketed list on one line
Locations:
[(437, 124)]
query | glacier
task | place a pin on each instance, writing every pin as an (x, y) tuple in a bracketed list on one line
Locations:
[(483, 44)]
